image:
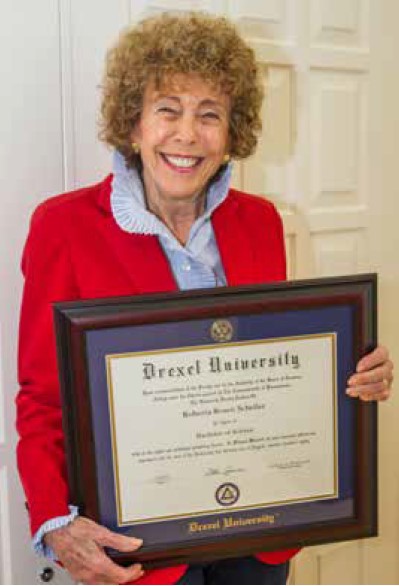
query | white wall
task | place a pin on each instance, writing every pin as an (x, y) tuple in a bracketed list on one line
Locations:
[(51, 54), (30, 166)]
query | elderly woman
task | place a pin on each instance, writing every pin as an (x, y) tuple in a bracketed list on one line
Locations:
[(182, 97)]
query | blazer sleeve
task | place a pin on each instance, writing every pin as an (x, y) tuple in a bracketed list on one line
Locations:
[(49, 277)]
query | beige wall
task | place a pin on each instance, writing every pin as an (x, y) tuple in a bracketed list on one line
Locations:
[(383, 564)]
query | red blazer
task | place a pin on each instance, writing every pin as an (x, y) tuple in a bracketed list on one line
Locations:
[(76, 250)]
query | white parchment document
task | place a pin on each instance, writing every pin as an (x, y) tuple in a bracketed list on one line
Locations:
[(223, 427)]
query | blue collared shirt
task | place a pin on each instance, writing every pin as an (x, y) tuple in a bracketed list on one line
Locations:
[(195, 265)]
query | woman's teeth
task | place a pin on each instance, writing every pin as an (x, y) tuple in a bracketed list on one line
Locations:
[(185, 162)]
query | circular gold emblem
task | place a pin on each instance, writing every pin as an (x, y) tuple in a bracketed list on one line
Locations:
[(222, 330)]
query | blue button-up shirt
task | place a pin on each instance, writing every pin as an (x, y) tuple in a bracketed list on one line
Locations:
[(197, 264)]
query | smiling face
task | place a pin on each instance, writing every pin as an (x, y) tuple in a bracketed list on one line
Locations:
[(183, 137)]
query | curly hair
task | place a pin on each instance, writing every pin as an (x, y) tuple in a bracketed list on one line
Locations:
[(167, 44)]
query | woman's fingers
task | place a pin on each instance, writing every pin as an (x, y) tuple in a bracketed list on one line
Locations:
[(373, 378), (378, 374), (79, 547), (124, 543), (375, 392), (378, 356), (104, 571)]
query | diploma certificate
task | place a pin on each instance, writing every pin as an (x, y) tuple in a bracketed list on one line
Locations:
[(215, 423), (255, 418)]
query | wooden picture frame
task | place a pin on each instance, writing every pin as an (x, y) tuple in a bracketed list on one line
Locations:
[(308, 500)]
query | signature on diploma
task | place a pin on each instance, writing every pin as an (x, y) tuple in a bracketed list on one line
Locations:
[(290, 464), (223, 471)]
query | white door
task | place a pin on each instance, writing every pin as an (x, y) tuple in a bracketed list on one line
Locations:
[(374, 561), (327, 158)]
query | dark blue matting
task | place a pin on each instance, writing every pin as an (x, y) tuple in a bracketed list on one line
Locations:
[(338, 319)]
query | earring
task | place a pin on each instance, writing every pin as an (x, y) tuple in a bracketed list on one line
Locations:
[(136, 148), (226, 158)]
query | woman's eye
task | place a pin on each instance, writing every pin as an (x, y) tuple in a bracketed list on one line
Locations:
[(167, 110), (211, 115)]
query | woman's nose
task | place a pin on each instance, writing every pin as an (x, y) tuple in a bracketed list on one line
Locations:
[(186, 129)]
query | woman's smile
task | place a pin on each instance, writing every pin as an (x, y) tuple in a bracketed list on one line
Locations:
[(181, 163)]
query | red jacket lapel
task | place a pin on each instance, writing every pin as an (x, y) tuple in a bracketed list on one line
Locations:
[(234, 244)]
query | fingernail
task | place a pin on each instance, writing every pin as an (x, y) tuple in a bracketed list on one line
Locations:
[(351, 392), (136, 541)]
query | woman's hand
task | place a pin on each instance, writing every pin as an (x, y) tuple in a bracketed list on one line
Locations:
[(79, 547), (373, 377)]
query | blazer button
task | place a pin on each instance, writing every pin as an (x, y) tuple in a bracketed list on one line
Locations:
[(47, 574)]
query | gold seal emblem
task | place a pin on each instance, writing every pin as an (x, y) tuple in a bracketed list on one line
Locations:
[(222, 330)]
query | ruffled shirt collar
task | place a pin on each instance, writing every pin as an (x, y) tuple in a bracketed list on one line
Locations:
[(128, 203)]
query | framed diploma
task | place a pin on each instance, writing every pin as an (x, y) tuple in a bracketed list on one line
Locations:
[(215, 423)]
